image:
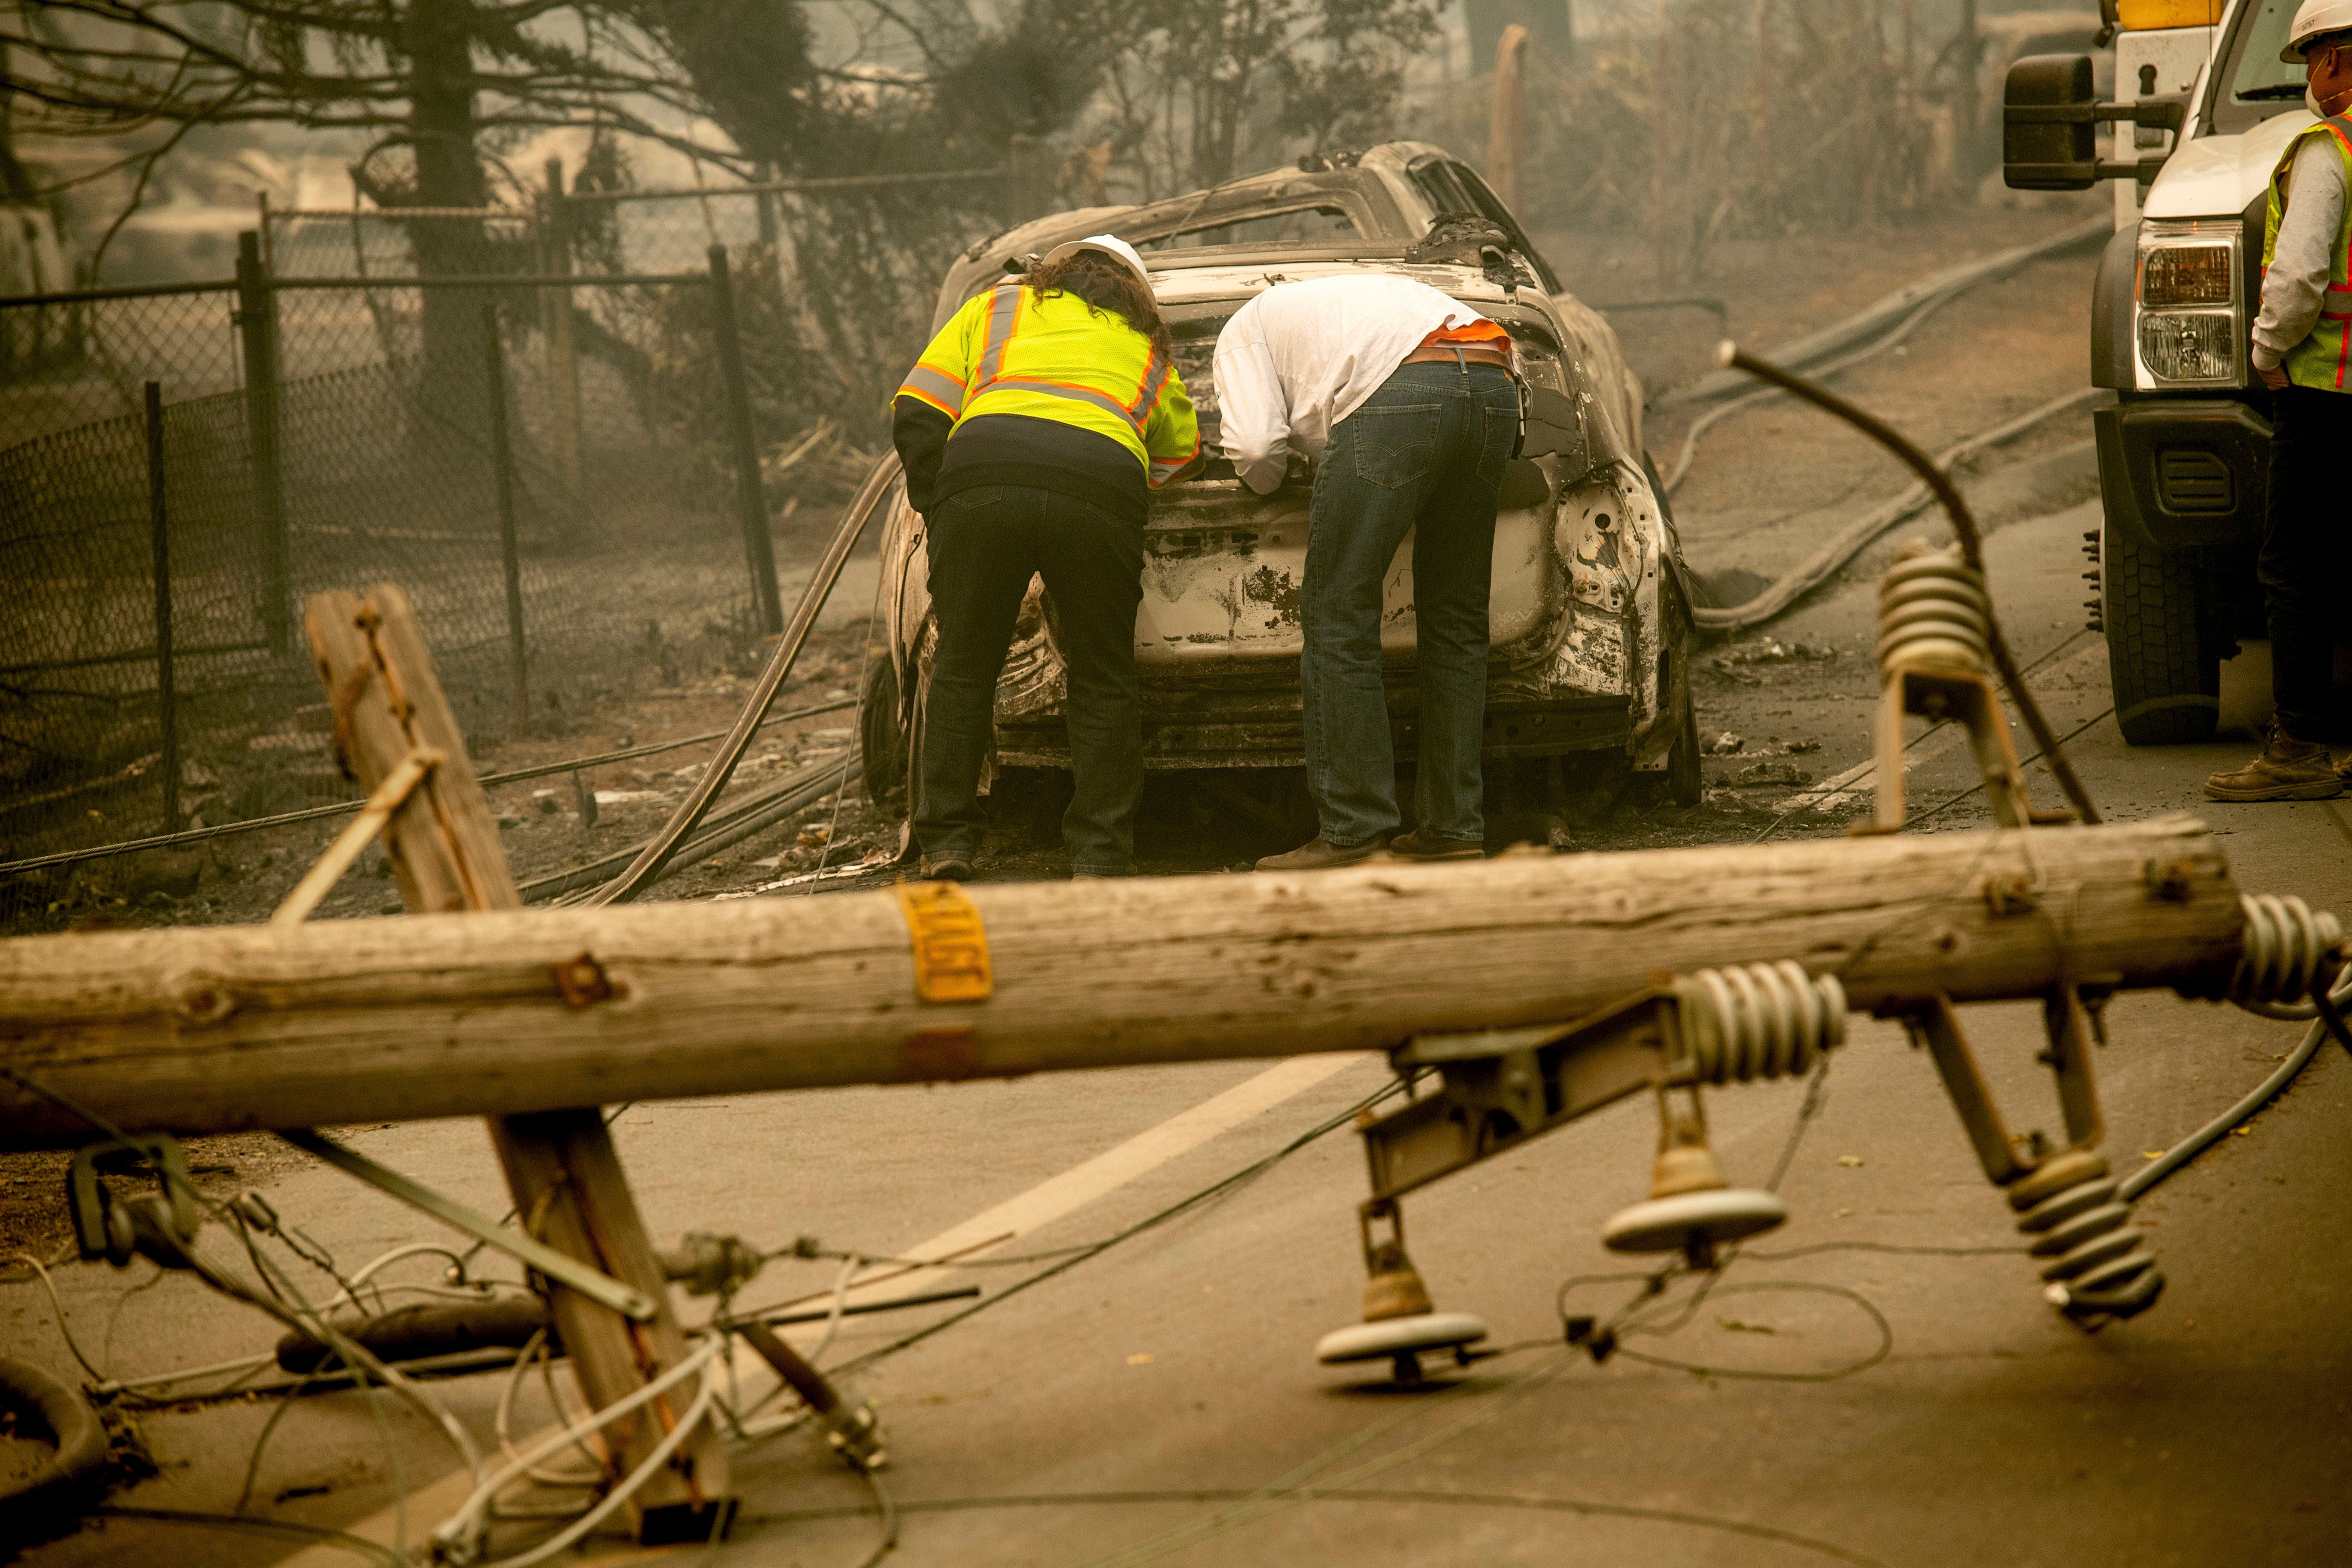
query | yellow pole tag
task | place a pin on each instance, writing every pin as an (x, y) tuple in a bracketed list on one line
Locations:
[(950, 948)]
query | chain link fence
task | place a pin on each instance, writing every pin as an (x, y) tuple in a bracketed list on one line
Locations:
[(844, 274), (567, 431), (152, 673), (70, 359)]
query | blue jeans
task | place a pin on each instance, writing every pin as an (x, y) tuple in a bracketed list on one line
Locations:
[(985, 544), (1424, 454)]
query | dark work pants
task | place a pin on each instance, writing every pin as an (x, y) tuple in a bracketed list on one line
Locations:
[(984, 545), (1425, 454), (2304, 552)]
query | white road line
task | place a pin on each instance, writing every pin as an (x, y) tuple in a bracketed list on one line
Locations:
[(1049, 1200), (1082, 1184)]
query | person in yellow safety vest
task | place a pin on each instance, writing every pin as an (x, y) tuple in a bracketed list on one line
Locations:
[(2303, 352), (1033, 432)]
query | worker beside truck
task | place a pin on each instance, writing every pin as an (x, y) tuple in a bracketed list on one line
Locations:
[(2218, 320), (2302, 351)]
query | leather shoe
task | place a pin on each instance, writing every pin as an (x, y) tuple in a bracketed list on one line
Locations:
[(1420, 845), (1317, 854), (2287, 769), (946, 868)]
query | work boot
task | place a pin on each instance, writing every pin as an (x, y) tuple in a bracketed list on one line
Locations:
[(1319, 854), (946, 868), (1421, 845), (2288, 769)]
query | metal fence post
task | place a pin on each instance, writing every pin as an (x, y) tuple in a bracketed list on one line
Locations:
[(751, 505), (562, 364), (1028, 178), (510, 548), (166, 702), (256, 314)]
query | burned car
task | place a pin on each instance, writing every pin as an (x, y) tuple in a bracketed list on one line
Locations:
[(1589, 616)]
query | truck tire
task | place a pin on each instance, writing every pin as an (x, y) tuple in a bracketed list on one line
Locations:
[(881, 742), (2161, 660)]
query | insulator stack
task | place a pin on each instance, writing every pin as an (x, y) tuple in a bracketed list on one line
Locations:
[(2097, 1263), (1759, 1020), (2286, 942), (1933, 613)]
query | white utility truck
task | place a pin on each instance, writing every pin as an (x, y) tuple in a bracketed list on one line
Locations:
[(2204, 108)]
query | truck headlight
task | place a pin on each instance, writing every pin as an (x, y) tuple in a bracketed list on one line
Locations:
[(2188, 346), (2189, 309)]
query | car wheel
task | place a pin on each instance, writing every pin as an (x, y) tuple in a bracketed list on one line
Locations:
[(2162, 664), (881, 740)]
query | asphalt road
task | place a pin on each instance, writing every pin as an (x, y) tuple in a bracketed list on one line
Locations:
[(1151, 1403)]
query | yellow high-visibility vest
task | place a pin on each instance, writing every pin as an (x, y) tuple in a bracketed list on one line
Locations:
[(2322, 359), (1058, 358)]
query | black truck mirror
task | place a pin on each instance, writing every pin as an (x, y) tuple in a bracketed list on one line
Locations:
[(2049, 125)]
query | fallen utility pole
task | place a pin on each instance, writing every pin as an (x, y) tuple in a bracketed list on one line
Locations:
[(605, 1287), (200, 1029)]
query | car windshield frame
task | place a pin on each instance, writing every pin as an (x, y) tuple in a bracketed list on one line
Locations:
[(2253, 47), (1357, 212)]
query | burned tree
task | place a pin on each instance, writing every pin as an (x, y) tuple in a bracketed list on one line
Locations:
[(439, 86)]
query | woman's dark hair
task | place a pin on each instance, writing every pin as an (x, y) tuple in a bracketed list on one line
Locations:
[(1105, 285)]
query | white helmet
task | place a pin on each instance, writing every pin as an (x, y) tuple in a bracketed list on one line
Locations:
[(1119, 251), (2315, 19)]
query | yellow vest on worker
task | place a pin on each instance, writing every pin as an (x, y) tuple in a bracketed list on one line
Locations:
[(1058, 358), (2321, 358)]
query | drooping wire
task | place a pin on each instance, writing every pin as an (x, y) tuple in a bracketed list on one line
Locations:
[(297, 1314), (1972, 544), (1884, 1347), (890, 1507), (1940, 807), (1824, 790), (1182, 1206), (1292, 1488), (2330, 1001), (284, 1529), (57, 1304), (1535, 1502)]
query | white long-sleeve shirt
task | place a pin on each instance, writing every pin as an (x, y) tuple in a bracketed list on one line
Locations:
[(2300, 261), (1301, 357)]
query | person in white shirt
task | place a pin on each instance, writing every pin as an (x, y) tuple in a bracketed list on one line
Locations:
[(1404, 402)]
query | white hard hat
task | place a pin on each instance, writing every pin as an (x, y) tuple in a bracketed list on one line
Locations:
[(1118, 250), (2315, 19)]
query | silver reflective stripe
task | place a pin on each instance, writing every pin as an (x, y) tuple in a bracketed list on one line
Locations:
[(938, 384), (1148, 398), (1002, 307), (1102, 401)]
